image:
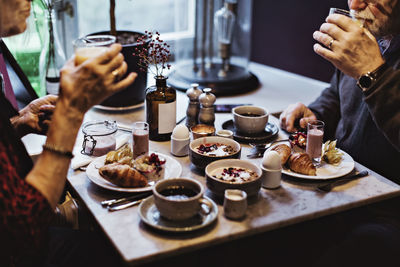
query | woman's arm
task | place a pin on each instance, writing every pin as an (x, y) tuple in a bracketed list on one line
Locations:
[(81, 87)]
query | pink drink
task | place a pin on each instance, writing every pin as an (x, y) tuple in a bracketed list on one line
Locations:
[(140, 142), (104, 145), (314, 143)]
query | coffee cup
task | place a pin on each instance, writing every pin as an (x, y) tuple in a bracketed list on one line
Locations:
[(250, 119), (180, 198)]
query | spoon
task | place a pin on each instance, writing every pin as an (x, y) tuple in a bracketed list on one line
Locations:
[(261, 148)]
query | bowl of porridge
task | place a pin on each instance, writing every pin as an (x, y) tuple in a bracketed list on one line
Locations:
[(205, 150), (233, 174)]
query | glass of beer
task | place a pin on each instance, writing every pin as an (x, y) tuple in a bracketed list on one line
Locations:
[(91, 46)]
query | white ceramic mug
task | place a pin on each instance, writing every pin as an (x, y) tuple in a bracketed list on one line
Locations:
[(250, 119)]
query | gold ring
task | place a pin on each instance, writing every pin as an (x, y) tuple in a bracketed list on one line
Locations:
[(330, 43), (115, 73)]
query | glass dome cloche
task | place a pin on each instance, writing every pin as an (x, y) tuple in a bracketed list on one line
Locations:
[(217, 55)]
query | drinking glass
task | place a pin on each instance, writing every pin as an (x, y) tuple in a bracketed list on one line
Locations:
[(140, 135), (91, 46), (349, 13), (315, 135)]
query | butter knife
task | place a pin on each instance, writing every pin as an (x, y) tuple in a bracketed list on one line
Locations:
[(126, 205), (113, 202), (330, 185)]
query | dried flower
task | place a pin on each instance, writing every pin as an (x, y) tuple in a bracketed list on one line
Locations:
[(155, 55)]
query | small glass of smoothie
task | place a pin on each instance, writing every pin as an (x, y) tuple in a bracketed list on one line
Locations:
[(315, 135), (140, 135), (91, 46)]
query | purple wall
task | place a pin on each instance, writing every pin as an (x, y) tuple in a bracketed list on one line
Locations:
[(282, 35)]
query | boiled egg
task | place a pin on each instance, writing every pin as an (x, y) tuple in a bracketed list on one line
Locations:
[(180, 132)]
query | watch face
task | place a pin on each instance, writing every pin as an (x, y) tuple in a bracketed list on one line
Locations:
[(365, 81)]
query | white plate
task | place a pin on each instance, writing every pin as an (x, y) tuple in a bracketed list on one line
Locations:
[(327, 171), (116, 109), (172, 169)]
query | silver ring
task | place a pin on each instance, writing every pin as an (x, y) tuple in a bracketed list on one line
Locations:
[(330, 43)]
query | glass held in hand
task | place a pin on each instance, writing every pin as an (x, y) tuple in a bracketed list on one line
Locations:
[(355, 15), (140, 135), (315, 135), (91, 46)]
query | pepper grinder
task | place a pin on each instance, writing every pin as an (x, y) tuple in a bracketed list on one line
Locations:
[(192, 112), (207, 113)]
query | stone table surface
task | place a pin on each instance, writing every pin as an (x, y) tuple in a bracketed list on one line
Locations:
[(294, 202)]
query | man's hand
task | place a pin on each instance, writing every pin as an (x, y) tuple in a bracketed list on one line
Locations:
[(354, 50), (35, 117), (296, 114)]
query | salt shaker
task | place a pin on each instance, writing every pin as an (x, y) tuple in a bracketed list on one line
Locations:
[(207, 113), (192, 112)]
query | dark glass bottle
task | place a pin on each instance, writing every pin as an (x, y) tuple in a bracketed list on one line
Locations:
[(160, 110)]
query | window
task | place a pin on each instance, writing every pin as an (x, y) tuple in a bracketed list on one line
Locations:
[(174, 19)]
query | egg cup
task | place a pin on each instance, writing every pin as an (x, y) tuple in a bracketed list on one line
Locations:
[(180, 147), (271, 179)]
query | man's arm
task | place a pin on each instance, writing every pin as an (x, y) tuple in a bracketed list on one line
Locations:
[(383, 100)]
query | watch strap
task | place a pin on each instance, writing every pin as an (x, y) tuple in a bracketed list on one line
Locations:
[(373, 76)]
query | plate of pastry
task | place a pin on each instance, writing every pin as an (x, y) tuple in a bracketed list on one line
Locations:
[(118, 171), (335, 162)]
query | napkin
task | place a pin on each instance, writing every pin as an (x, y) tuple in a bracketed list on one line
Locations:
[(81, 160)]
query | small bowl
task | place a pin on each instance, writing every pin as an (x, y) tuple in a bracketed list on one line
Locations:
[(218, 186), (202, 130), (250, 119), (201, 160)]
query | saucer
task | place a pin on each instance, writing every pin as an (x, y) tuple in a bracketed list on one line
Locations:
[(150, 215), (270, 132)]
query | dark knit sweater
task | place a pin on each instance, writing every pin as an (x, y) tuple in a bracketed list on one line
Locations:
[(366, 125)]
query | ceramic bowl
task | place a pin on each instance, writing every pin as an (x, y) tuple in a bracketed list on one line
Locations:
[(202, 160), (250, 119), (218, 186)]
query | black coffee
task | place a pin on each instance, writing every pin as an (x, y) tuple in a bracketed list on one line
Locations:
[(178, 193), (249, 114)]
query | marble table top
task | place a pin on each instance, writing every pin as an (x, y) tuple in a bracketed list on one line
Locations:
[(294, 202)]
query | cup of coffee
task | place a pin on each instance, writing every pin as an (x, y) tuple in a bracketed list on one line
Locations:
[(250, 119), (180, 198)]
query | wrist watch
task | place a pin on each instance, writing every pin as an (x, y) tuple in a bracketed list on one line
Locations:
[(368, 79)]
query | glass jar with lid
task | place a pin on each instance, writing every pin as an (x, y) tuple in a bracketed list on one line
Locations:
[(99, 137)]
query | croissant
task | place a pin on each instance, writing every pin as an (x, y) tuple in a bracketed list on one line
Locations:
[(122, 175), (117, 155), (301, 163), (283, 151)]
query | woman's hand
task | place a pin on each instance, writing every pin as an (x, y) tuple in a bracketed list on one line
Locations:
[(94, 80), (348, 46), (296, 114), (35, 117)]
